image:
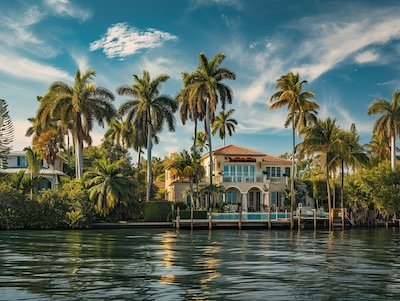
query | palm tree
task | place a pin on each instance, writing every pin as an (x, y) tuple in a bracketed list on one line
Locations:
[(206, 82), (350, 153), (379, 148), (33, 160), (108, 185), (116, 132), (201, 141), (48, 145), (148, 110), (191, 105), (323, 138), (302, 110), (224, 124), (388, 124), (76, 108), (6, 133)]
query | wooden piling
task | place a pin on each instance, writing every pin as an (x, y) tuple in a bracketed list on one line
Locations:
[(191, 217), (269, 218), (315, 219), (240, 218), (291, 219), (209, 221), (343, 215), (299, 218), (178, 219)]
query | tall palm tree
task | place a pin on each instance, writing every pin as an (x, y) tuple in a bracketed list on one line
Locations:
[(48, 145), (206, 82), (148, 110), (33, 160), (76, 108), (108, 185), (302, 110), (379, 147), (6, 133), (191, 105), (323, 138), (350, 153), (388, 124), (224, 124)]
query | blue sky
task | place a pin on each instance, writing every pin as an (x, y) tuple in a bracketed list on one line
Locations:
[(349, 51)]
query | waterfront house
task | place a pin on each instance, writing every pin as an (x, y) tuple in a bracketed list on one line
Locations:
[(50, 175), (251, 178)]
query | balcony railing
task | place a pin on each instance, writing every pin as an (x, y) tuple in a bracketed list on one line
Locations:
[(256, 178)]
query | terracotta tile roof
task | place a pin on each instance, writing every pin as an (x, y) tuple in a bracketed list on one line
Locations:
[(180, 180), (272, 159), (234, 150)]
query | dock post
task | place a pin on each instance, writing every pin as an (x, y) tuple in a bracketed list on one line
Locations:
[(343, 212), (209, 221), (178, 219), (298, 218), (315, 219), (240, 218), (269, 218), (291, 218), (191, 216)]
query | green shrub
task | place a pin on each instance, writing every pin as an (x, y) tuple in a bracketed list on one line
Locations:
[(198, 214), (157, 211), (12, 207)]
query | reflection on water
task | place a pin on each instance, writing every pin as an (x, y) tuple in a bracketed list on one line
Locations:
[(200, 265)]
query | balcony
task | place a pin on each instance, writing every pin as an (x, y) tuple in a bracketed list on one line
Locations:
[(259, 177)]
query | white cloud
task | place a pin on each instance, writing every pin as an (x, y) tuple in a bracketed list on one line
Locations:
[(324, 45), (29, 69), (65, 8), (81, 60), (122, 40), (368, 56)]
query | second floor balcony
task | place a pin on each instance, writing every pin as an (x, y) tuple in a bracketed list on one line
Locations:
[(257, 177)]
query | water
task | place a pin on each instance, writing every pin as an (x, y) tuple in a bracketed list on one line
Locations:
[(219, 265)]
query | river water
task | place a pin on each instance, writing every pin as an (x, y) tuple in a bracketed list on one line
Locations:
[(137, 264)]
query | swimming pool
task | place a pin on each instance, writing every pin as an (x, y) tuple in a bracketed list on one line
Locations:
[(259, 216)]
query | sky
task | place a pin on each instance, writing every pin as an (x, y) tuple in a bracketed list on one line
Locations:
[(348, 51)]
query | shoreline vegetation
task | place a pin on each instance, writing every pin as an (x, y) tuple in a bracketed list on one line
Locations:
[(103, 184)]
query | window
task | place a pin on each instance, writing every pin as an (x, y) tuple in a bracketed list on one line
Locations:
[(231, 197), (276, 198), (239, 173), (274, 172), (21, 161), (287, 171)]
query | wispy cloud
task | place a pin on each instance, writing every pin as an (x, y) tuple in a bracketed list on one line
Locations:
[(368, 56), (22, 67), (66, 8), (121, 40), (329, 40), (233, 3)]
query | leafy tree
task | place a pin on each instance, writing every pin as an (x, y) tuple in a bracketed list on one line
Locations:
[(6, 133), (349, 153), (206, 84), (388, 124), (302, 110), (108, 185), (76, 108), (324, 139), (201, 142), (224, 124), (148, 110)]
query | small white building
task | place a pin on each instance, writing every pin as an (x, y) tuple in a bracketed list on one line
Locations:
[(16, 161)]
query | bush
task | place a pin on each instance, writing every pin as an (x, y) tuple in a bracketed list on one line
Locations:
[(198, 214), (157, 211), (66, 207)]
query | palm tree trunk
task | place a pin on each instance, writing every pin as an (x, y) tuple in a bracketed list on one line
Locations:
[(79, 158), (224, 141), (208, 121), (148, 161), (342, 186), (393, 150), (292, 194), (195, 138), (328, 186)]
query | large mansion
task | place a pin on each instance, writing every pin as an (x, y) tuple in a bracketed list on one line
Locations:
[(250, 178)]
